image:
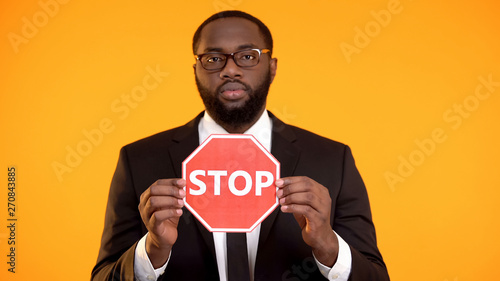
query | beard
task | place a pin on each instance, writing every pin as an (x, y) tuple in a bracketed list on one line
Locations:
[(239, 116)]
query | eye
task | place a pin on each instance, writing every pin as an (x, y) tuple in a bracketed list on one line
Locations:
[(213, 59), (247, 56)]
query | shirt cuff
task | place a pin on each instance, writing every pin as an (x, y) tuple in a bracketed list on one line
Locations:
[(342, 267), (143, 269)]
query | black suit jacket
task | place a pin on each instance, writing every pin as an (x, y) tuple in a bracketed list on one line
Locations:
[(282, 253)]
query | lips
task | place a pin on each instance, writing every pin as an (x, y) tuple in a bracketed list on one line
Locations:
[(233, 90)]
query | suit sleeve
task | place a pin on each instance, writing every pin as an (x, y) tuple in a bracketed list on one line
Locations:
[(353, 222), (122, 227)]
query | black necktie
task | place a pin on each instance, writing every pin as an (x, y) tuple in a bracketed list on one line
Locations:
[(237, 257)]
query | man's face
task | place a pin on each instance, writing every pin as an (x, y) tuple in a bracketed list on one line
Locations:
[(234, 96)]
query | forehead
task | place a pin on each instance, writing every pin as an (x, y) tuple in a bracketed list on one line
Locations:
[(229, 35)]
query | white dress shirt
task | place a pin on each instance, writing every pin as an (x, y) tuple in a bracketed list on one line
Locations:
[(261, 130)]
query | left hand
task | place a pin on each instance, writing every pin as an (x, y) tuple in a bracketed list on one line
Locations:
[(310, 203)]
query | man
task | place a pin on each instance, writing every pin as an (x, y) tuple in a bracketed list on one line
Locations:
[(323, 227)]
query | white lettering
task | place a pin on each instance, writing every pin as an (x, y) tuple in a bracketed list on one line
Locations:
[(258, 181), (217, 174), (197, 182)]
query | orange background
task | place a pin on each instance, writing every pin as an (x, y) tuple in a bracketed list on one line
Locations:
[(404, 100)]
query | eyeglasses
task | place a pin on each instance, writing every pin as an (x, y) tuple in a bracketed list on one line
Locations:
[(243, 58)]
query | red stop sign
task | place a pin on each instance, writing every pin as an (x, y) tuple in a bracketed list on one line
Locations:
[(230, 183)]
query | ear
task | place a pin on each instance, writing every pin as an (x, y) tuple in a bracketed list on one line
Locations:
[(273, 66)]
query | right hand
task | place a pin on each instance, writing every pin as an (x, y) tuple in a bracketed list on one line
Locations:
[(161, 207)]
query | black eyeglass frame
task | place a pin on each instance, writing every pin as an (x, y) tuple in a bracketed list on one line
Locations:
[(231, 55)]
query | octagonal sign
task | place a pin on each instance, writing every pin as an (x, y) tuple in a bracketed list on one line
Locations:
[(230, 183)]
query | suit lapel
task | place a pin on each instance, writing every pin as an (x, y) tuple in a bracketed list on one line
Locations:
[(288, 154), (187, 140)]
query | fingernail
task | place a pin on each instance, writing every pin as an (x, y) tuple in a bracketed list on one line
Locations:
[(180, 202), (282, 201), (182, 192), (279, 193), (279, 182)]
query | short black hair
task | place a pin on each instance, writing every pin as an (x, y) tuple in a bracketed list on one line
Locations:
[(266, 34)]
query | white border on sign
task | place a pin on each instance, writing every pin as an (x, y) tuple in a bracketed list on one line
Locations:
[(231, 136)]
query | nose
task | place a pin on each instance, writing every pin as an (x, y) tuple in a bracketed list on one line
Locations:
[(230, 70)]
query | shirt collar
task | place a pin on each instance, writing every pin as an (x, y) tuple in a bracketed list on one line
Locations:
[(261, 130)]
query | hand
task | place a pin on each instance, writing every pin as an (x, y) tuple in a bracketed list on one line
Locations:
[(161, 207), (310, 203)]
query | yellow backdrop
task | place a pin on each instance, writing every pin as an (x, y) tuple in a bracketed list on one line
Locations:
[(412, 86)]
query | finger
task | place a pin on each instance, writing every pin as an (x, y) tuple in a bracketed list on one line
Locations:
[(302, 198), (159, 196), (295, 185), (164, 202), (159, 217), (167, 187), (157, 203), (303, 210), (144, 197), (161, 189), (180, 183), (283, 182)]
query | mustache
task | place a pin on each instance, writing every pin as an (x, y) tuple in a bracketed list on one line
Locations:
[(245, 86)]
